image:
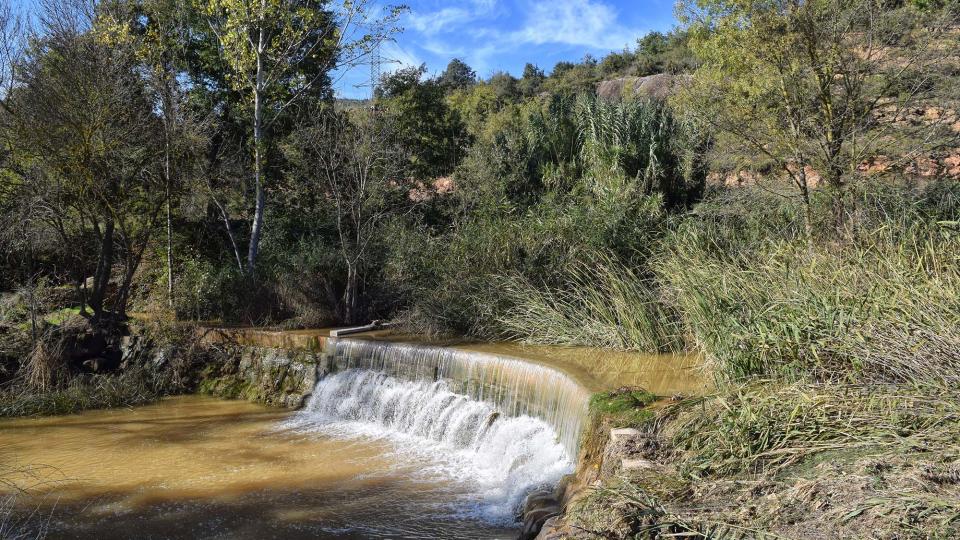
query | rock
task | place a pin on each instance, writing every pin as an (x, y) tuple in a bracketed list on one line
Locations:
[(539, 499), (96, 365), (533, 521), (632, 464), (552, 530), (620, 434), (660, 86)]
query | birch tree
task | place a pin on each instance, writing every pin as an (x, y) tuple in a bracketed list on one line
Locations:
[(280, 51)]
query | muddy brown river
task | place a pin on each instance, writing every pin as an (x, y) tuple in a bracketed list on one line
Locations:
[(194, 467), (402, 440)]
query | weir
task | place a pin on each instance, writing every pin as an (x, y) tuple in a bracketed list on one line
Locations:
[(501, 425), (513, 386)]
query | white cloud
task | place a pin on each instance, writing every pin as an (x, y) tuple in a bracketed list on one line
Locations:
[(449, 18), (574, 22), (476, 32), (439, 21)]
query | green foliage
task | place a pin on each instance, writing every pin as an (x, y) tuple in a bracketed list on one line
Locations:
[(457, 76), (639, 146), (550, 189), (603, 304), (532, 80), (623, 402), (758, 300), (432, 133)]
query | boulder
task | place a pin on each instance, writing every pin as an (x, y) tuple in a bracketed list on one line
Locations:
[(660, 86)]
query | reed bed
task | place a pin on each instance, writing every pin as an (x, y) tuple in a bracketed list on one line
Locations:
[(604, 304), (88, 391), (880, 305)]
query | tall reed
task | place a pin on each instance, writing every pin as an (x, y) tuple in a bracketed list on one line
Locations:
[(604, 304), (882, 304)]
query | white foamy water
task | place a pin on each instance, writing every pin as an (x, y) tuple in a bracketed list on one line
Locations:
[(515, 386), (498, 458)]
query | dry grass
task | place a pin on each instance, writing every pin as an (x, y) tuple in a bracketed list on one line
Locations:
[(774, 460), (766, 426)]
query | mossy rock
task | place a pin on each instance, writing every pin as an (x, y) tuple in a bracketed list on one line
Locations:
[(626, 406)]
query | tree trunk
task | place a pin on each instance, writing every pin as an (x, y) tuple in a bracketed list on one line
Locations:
[(350, 295), (807, 210), (836, 186), (166, 172), (123, 294), (257, 229), (101, 278)]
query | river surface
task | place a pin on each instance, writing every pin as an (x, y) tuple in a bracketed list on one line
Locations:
[(194, 467)]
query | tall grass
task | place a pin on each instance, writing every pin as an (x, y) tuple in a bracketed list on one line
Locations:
[(766, 425), (881, 305), (88, 391), (604, 304)]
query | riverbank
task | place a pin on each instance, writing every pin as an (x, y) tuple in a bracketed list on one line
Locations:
[(774, 460)]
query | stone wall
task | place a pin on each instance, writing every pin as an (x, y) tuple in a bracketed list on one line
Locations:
[(278, 377)]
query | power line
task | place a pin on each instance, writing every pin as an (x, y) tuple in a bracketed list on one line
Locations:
[(375, 72)]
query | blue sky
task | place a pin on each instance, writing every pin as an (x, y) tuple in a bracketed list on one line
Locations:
[(493, 35)]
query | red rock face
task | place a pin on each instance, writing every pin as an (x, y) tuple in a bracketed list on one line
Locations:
[(951, 164)]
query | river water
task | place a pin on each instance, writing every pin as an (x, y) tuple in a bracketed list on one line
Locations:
[(403, 441), (194, 467)]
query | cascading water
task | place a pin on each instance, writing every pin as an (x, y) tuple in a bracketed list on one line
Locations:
[(516, 387), (499, 424)]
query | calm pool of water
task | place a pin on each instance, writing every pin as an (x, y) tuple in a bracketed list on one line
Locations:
[(193, 467)]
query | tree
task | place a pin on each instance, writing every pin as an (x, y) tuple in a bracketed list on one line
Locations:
[(280, 51), (158, 31), (86, 156), (504, 87), (423, 122), (358, 166), (652, 44), (457, 76), (819, 87), (531, 81)]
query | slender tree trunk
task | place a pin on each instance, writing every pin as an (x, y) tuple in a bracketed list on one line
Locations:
[(257, 229), (101, 278), (229, 228), (835, 185), (166, 172), (350, 294)]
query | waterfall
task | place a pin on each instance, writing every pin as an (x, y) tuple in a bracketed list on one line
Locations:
[(502, 424), (516, 387)]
